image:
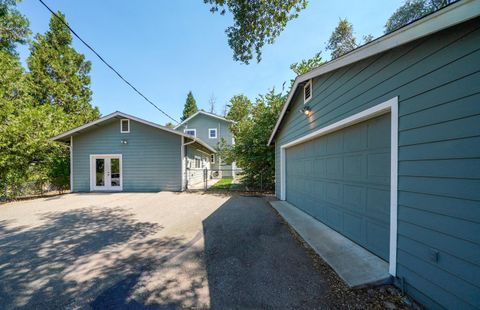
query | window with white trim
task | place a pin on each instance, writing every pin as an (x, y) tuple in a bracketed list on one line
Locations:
[(124, 125), (191, 132), (212, 158), (212, 133), (198, 162), (307, 91)]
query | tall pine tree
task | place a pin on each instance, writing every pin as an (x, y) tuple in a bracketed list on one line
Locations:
[(190, 107), (59, 75)]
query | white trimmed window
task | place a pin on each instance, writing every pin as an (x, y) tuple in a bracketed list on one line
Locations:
[(212, 133), (191, 132), (212, 158), (125, 125), (307, 91), (198, 162)]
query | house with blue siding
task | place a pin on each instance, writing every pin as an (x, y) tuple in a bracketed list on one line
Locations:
[(214, 130), (121, 152), (382, 145)]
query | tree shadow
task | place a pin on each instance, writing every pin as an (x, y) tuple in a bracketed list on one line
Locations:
[(75, 259), (254, 262)]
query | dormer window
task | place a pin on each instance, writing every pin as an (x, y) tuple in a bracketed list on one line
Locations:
[(192, 132), (307, 91), (124, 125), (212, 133)]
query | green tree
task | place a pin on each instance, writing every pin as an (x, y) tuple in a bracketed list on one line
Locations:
[(59, 75), (239, 108), (13, 26), (169, 125), (251, 133), (412, 10), (190, 107), (307, 65), (342, 39), (256, 23)]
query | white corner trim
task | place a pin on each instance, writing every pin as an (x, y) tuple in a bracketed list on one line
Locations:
[(216, 133), (393, 187), (121, 127), (71, 164), (390, 106), (182, 156), (449, 16)]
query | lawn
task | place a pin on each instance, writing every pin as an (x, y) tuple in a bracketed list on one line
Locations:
[(224, 183)]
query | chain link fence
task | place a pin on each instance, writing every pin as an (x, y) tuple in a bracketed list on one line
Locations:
[(229, 180), (31, 189)]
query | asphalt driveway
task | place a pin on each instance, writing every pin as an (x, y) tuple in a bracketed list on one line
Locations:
[(157, 251)]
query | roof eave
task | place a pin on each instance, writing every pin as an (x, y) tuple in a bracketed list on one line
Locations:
[(447, 17)]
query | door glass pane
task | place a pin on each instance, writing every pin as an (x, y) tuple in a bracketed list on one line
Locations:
[(115, 171), (100, 172)]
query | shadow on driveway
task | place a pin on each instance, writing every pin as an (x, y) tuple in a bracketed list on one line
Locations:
[(253, 261)]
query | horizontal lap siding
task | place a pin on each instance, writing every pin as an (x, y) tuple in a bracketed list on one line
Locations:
[(151, 159), (437, 81)]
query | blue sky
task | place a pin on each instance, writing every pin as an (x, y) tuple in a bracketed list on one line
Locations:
[(167, 48)]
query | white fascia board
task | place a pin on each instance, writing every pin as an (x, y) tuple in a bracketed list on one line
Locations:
[(449, 16)]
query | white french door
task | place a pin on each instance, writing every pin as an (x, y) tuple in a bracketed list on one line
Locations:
[(106, 172)]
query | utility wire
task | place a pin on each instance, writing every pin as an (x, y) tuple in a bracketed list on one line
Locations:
[(106, 63)]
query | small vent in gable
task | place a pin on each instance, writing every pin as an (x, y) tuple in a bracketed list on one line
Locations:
[(307, 91)]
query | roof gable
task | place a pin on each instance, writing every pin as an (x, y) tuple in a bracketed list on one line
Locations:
[(447, 17), (201, 112), (117, 114)]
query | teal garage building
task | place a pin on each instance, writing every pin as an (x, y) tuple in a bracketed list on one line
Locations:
[(382, 145)]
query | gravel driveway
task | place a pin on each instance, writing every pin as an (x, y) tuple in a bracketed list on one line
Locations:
[(158, 251)]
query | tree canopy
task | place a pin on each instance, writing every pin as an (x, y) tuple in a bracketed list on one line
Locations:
[(13, 26), (342, 39), (251, 133), (190, 107), (239, 108), (59, 75), (256, 23), (30, 115), (306, 65), (412, 10)]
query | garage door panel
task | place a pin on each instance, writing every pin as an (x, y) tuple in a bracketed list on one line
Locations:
[(355, 139), (376, 206), (354, 227), (342, 179), (375, 234), (333, 192), (379, 133), (334, 144), (334, 168), (355, 197), (378, 168), (354, 167)]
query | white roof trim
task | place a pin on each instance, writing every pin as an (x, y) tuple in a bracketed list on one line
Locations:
[(205, 113), (124, 115), (449, 16)]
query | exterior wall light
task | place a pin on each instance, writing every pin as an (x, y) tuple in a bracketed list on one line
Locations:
[(306, 110), (123, 141)]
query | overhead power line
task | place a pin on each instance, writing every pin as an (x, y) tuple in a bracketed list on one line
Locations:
[(106, 63)]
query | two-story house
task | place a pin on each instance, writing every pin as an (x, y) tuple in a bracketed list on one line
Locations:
[(211, 129)]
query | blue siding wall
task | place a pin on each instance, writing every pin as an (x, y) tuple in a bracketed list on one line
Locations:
[(202, 123), (151, 159), (437, 80)]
